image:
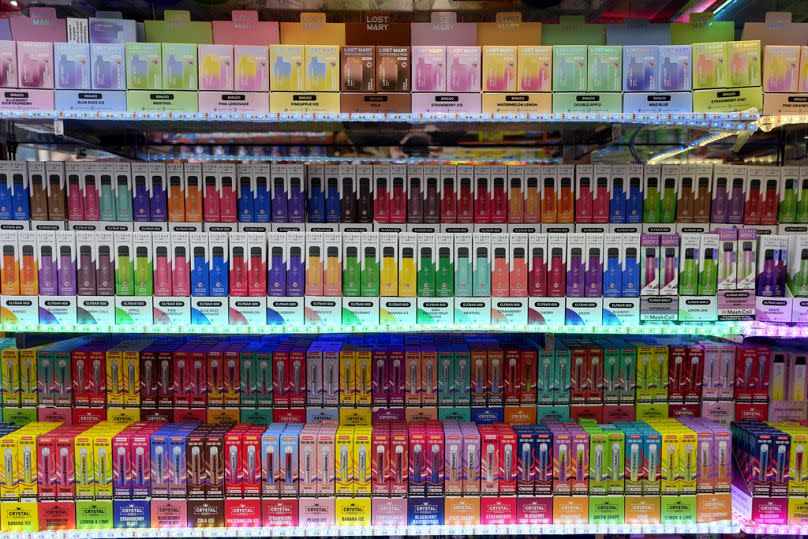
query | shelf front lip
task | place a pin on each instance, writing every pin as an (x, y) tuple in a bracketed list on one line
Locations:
[(722, 527), (728, 329), (728, 121)]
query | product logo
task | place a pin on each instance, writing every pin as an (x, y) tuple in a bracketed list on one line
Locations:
[(659, 98), (728, 93), (161, 97), (233, 97), (204, 304), (375, 99), (89, 95), (587, 98)]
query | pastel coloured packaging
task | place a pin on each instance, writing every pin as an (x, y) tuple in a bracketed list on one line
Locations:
[(605, 68), (569, 68), (144, 66), (72, 65), (429, 69), (322, 68), (108, 61), (251, 64), (675, 63), (640, 68), (215, 67), (499, 69), (179, 66), (781, 68), (287, 72), (534, 68), (463, 65), (35, 65)]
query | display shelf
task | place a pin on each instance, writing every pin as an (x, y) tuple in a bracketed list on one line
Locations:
[(719, 329), (381, 531), (730, 121)]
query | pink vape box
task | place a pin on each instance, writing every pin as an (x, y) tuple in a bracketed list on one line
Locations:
[(534, 510), (245, 29), (8, 64), (463, 67), (429, 69), (443, 29), (389, 512), (169, 513), (40, 25), (316, 512), (35, 65), (215, 67), (279, 512)]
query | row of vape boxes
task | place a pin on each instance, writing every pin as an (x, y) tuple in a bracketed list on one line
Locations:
[(398, 194), (396, 371), (255, 264), (331, 68), (49, 461)]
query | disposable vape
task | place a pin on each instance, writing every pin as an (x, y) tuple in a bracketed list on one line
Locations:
[(463, 273), (426, 273), (537, 278), (407, 278), (124, 281), (370, 273), (444, 276), (482, 273)]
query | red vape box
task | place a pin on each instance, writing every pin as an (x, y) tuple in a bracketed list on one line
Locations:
[(507, 460), (512, 379), (380, 451), (399, 447), (752, 373)]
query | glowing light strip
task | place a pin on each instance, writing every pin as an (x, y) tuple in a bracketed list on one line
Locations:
[(734, 121), (760, 528), (721, 329), (698, 143), (770, 329), (378, 531)]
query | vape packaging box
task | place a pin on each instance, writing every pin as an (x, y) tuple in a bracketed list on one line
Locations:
[(463, 69), (72, 65), (108, 61), (640, 68), (534, 68), (709, 65), (8, 57), (322, 70), (358, 69), (499, 68), (649, 256), (287, 72), (429, 69), (393, 69), (770, 266), (179, 66), (604, 68), (742, 63), (215, 67), (675, 63), (35, 65), (144, 66), (669, 265), (570, 68), (251, 65)]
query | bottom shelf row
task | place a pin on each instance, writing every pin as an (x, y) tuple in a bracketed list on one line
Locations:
[(320, 517)]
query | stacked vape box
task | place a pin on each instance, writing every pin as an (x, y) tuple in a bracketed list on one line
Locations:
[(376, 79), (732, 66)]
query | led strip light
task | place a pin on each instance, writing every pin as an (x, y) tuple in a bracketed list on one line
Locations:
[(720, 329), (729, 121), (362, 531)]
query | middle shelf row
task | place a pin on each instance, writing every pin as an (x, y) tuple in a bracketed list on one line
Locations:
[(652, 198), (257, 278), (359, 378)]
